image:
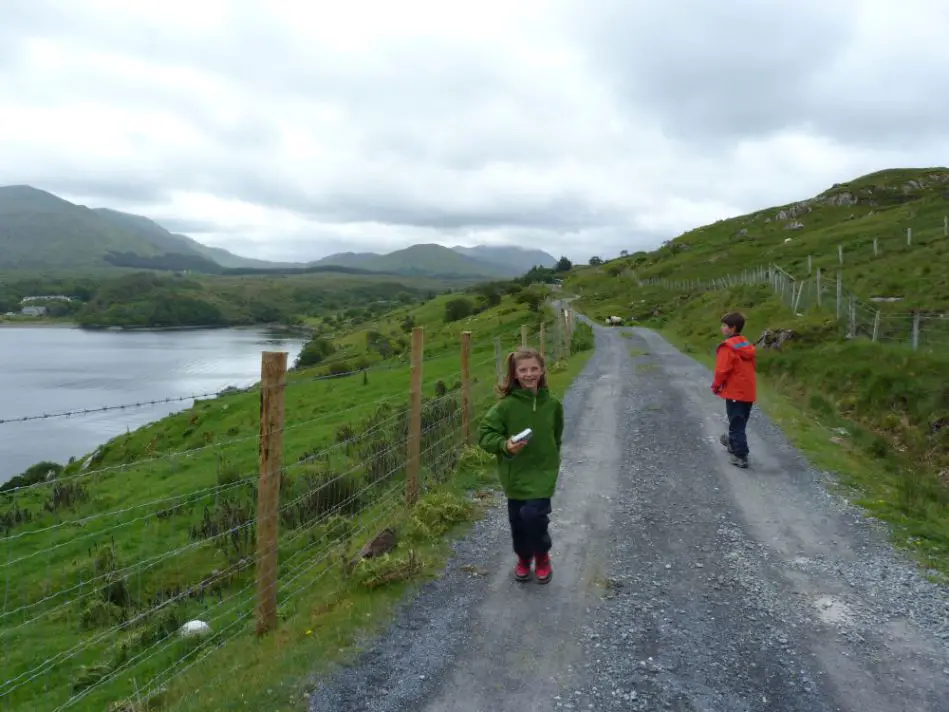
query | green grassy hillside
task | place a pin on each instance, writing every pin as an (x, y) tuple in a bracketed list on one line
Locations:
[(166, 241), (40, 231), (421, 260), (874, 412), (509, 258), (880, 205), (157, 527)]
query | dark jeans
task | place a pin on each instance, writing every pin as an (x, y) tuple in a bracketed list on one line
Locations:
[(529, 520), (738, 413)]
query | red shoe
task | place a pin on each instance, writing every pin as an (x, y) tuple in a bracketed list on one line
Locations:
[(542, 568), (522, 569)]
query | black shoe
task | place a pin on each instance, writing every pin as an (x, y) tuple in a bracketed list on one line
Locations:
[(741, 462)]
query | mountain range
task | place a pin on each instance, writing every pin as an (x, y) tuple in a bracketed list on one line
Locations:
[(40, 231)]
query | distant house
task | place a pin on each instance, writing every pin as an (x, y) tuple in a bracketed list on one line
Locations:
[(33, 311)]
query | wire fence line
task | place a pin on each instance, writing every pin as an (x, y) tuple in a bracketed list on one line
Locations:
[(94, 600), (857, 317)]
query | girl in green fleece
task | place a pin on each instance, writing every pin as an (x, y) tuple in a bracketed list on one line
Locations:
[(528, 469)]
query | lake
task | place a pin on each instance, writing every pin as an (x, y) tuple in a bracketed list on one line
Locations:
[(51, 370)]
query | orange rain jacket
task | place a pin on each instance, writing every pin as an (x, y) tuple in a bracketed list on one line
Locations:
[(735, 370)]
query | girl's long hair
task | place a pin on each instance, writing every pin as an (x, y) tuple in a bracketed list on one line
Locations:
[(510, 381)]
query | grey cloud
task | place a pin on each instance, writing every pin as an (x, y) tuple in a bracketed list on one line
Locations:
[(735, 69), (747, 68), (425, 121), (119, 191)]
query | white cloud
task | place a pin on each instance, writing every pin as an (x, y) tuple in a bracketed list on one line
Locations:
[(288, 131)]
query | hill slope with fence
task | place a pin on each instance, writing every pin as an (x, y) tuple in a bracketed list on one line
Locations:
[(858, 385), (273, 510)]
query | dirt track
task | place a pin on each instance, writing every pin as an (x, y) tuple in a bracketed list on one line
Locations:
[(680, 582)]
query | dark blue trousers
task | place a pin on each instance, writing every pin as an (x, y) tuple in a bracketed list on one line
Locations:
[(529, 519), (738, 413)]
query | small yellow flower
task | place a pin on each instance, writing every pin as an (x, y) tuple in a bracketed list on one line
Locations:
[(309, 632)]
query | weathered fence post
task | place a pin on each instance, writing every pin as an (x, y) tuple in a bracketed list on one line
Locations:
[(819, 289), (852, 327), (876, 247), (414, 445), (273, 381), (915, 330), (810, 264), (524, 335), (909, 236), (876, 325), (840, 253), (543, 335), (466, 387), (840, 291)]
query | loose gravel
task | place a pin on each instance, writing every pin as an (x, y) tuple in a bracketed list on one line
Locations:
[(680, 582)]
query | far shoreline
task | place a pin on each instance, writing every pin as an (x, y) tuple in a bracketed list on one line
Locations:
[(300, 330)]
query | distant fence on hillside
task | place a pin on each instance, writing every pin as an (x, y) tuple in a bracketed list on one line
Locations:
[(857, 317), (120, 606)]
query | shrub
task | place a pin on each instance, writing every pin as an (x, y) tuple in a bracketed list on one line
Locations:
[(457, 309), (582, 339)]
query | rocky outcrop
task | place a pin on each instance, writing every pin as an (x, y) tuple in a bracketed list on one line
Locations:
[(774, 339)]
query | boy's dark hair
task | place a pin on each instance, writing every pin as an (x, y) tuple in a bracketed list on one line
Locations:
[(735, 321)]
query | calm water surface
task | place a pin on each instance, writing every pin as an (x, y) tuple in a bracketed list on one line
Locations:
[(49, 370)]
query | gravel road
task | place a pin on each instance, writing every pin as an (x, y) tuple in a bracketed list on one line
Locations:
[(680, 582)]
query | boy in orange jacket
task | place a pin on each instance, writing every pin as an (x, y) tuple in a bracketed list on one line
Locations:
[(735, 383)]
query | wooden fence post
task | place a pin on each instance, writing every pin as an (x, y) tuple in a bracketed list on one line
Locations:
[(273, 381), (876, 247), (466, 387), (852, 327), (543, 334), (810, 264), (564, 340), (876, 325), (840, 291), (840, 253), (415, 418), (819, 290), (915, 330), (909, 236), (524, 335)]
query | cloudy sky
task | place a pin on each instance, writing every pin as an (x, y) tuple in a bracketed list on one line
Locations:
[(290, 130)]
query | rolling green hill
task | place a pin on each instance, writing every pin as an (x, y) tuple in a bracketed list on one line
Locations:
[(848, 216), (167, 241), (511, 258), (40, 231), (430, 259)]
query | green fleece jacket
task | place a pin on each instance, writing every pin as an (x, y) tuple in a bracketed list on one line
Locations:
[(532, 473)]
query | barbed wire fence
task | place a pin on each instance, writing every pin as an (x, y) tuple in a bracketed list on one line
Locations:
[(98, 609)]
